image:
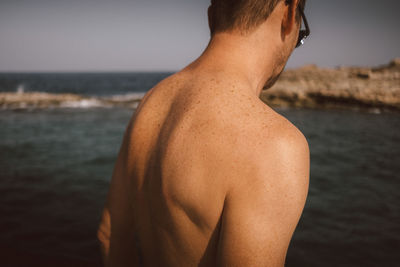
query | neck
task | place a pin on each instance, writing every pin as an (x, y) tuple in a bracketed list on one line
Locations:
[(249, 58)]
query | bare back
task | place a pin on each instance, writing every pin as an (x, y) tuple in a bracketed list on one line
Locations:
[(186, 149)]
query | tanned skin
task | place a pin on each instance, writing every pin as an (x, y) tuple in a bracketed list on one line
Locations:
[(207, 174)]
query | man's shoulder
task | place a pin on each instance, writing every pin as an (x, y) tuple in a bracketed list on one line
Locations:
[(262, 132), (271, 131), (285, 136), (283, 142), (273, 148)]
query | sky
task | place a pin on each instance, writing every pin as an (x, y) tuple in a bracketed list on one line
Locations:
[(166, 35)]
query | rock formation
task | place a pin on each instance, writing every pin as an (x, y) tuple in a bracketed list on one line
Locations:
[(34, 100), (343, 87)]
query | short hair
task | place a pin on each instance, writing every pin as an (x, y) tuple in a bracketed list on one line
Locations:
[(243, 15)]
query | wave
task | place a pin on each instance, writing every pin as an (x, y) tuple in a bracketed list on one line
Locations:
[(42, 100)]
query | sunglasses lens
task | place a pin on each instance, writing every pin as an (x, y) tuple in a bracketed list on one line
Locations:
[(302, 38)]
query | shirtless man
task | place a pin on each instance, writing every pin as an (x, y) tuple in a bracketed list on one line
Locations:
[(207, 174)]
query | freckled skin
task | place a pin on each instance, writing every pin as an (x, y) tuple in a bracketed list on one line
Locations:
[(172, 181), (207, 174)]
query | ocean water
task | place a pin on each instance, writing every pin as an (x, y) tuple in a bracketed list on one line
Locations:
[(56, 165), (88, 84)]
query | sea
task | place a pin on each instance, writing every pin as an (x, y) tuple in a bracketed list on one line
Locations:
[(56, 164)]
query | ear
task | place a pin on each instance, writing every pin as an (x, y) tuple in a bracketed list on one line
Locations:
[(289, 18)]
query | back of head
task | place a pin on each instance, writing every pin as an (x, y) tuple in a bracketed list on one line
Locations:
[(241, 15)]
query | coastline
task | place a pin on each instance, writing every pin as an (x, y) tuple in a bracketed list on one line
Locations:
[(359, 88), (42, 100), (373, 89)]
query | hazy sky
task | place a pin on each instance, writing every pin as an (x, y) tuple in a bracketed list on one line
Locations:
[(157, 35)]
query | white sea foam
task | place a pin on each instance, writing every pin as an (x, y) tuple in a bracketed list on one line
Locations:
[(126, 97), (20, 89), (84, 103)]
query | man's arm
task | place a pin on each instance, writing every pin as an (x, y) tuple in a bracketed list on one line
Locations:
[(261, 212), (104, 233), (116, 230)]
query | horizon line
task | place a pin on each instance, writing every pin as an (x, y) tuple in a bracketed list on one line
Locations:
[(83, 71), (174, 71)]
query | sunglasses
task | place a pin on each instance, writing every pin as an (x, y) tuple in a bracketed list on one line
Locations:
[(303, 34)]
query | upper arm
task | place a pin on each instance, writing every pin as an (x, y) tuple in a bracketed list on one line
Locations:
[(104, 233), (261, 212), (116, 230)]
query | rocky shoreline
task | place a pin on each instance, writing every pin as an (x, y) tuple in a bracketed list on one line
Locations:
[(41, 100), (374, 89), (345, 87)]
